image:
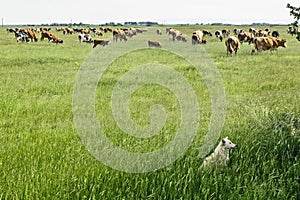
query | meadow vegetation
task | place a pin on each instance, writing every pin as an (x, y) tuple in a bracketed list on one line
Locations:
[(42, 156)]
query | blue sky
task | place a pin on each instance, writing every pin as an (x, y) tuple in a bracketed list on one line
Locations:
[(162, 11)]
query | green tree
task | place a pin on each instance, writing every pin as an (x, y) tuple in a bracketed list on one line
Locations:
[(295, 12)]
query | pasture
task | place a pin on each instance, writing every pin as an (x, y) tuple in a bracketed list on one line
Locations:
[(42, 156)]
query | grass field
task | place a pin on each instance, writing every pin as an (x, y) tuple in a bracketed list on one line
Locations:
[(42, 156)]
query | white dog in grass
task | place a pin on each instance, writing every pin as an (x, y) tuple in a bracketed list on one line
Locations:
[(221, 154)]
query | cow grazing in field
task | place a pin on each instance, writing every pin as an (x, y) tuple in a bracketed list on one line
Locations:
[(219, 35), (45, 29), (246, 37), (101, 42), (31, 35), (158, 32), (181, 37), (206, 32), (10, 30), (232, 45), (175, 35), (237, 31), (21, 36), (46, 34), (268, 43), (105, 30), (252, 30), (85, 31), (225, 32), (154, 43), (98, 33), (55, 39), (85, 38), (262, 33), (197, 37), (138, 30), (130, 33), (119, 34), (68, 31), (50, 37)]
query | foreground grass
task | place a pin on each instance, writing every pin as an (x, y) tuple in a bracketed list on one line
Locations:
[(42, 157)]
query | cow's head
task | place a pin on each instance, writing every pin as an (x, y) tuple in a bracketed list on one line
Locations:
[(281, 43)]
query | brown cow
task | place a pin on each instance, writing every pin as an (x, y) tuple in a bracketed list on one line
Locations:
[(119, 34), (31, 35), (50, 37), (246, 37), (154, 43), (55, 39), (268, 43), (45, 34), (101, 42), (232, 45)]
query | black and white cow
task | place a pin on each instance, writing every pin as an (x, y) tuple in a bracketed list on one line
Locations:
[(219, 35), (85, 38)]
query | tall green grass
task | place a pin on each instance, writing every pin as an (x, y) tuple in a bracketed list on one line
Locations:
[(42, 157)]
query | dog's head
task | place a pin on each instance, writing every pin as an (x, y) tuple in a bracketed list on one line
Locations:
[(228, 144)]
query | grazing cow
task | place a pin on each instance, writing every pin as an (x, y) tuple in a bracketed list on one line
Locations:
[(252, 30), (154, 43), (219, 35), (141, 30), (197, 37), (246, 37), (45, 34), (85, 31), (98, 33), (232, 45), (225, 32), (119, 34), (50, 37), (206, 32), (21, 36), (77, 30), (275, 34), (268, 43), (262, 33), (101, 42), (85, 38), (31, 35), (173, 33), (55, 39), (106, 29), (238, 31), (45, 29), (130, 33), (158, 32), (181, 37), (68, 31), (10, 30)]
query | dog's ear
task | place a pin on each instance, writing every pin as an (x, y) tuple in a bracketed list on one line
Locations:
[(223, 141)]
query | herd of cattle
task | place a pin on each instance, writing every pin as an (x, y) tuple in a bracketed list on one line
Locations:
[(261, 39)]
